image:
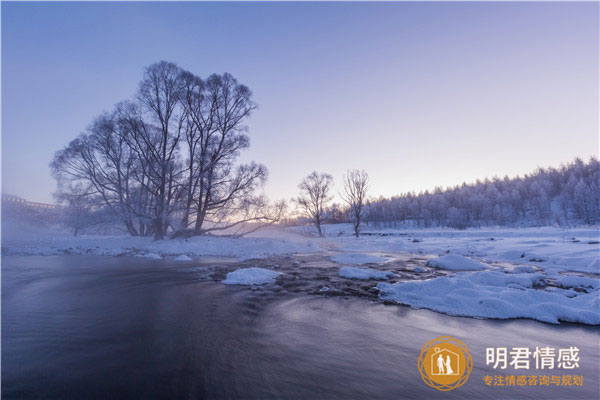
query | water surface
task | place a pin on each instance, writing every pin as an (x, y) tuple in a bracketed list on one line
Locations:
[(86, 327)]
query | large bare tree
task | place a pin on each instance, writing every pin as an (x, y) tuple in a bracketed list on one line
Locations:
[(314, 195), (166, 161), (356, 184)]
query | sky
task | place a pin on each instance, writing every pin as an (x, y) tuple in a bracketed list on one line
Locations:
[(417, 94)]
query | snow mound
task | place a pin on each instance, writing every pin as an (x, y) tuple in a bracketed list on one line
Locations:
[(182, 257), (363, 273), (492, 294), (578, 282), (419, 269), (152, 256), (455, 262), (358, 259), (594, 266), (251, 276)]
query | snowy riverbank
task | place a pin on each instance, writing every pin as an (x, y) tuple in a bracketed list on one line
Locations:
[(547, 274)]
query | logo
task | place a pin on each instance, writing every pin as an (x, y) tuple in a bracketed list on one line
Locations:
[(445, 363)]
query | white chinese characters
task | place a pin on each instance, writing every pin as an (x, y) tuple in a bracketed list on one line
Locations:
[(544, 357)]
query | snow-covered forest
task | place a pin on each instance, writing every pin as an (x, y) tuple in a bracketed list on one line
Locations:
[(565, 196)]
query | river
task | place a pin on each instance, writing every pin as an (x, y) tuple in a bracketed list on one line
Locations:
[(87, 327)]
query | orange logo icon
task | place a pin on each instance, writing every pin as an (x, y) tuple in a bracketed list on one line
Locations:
[(445, 363)]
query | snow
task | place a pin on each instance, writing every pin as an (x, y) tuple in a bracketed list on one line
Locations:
[(523, 269), (493, 294), (455, 262), (182, 258), (546, 248), (363, 273), (57, 243), (251, 276), (152, 256), (578, 282), (358, 259)]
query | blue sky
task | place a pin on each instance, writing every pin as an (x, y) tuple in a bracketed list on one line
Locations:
[(417, 94)]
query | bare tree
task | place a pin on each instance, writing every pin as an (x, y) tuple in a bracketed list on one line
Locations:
[(166, 161), (356, 184), (78, 212), (159, 95), (314, 196)]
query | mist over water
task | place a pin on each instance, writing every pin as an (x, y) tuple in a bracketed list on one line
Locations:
[(125, 327)]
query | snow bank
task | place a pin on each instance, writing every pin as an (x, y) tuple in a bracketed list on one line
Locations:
[(492, 294), (546, 248), (251, 276), (358, 259), (578, 282), (152, 256), (455, 262), (241, 248), (363, 273), (182, 258)]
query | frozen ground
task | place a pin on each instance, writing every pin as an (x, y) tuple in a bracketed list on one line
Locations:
[(551, 249), (32, 242)]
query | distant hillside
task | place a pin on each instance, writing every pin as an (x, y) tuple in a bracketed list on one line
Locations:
[(565, 196)]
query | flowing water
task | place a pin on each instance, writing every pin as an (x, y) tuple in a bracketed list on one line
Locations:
[(88, 327)]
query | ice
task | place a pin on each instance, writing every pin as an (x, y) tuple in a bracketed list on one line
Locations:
[(358, 259), (152, 256), (364, 273), (251, 276), (455, 262), (182, 258), (484, 295)]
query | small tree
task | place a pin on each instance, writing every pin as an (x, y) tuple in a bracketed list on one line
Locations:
[(356, 184), (314, 196), (78, 211)]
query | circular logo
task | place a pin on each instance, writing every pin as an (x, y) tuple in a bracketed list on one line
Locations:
[(445, 363)]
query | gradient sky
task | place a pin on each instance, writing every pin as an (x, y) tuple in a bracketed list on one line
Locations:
[(417, 94)]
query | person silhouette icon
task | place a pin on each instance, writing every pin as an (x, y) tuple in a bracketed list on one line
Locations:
[(449, 370), (440, 365)]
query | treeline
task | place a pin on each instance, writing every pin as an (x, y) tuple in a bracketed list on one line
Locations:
[(164, 162), (565, 196)]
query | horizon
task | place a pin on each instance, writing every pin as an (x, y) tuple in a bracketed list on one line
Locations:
[(511, 96), (372, 197)]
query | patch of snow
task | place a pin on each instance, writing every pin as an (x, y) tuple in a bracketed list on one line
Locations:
[(358, 259), (153, 256), (492, 294), (419, 269), (251, 276), (182, 258), (363, 273), (455, 262), (578, 282), (57, 243)]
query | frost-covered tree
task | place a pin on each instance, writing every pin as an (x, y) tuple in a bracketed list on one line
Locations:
[(356, 184), (566, 195), (166, 161), (315, 194)]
